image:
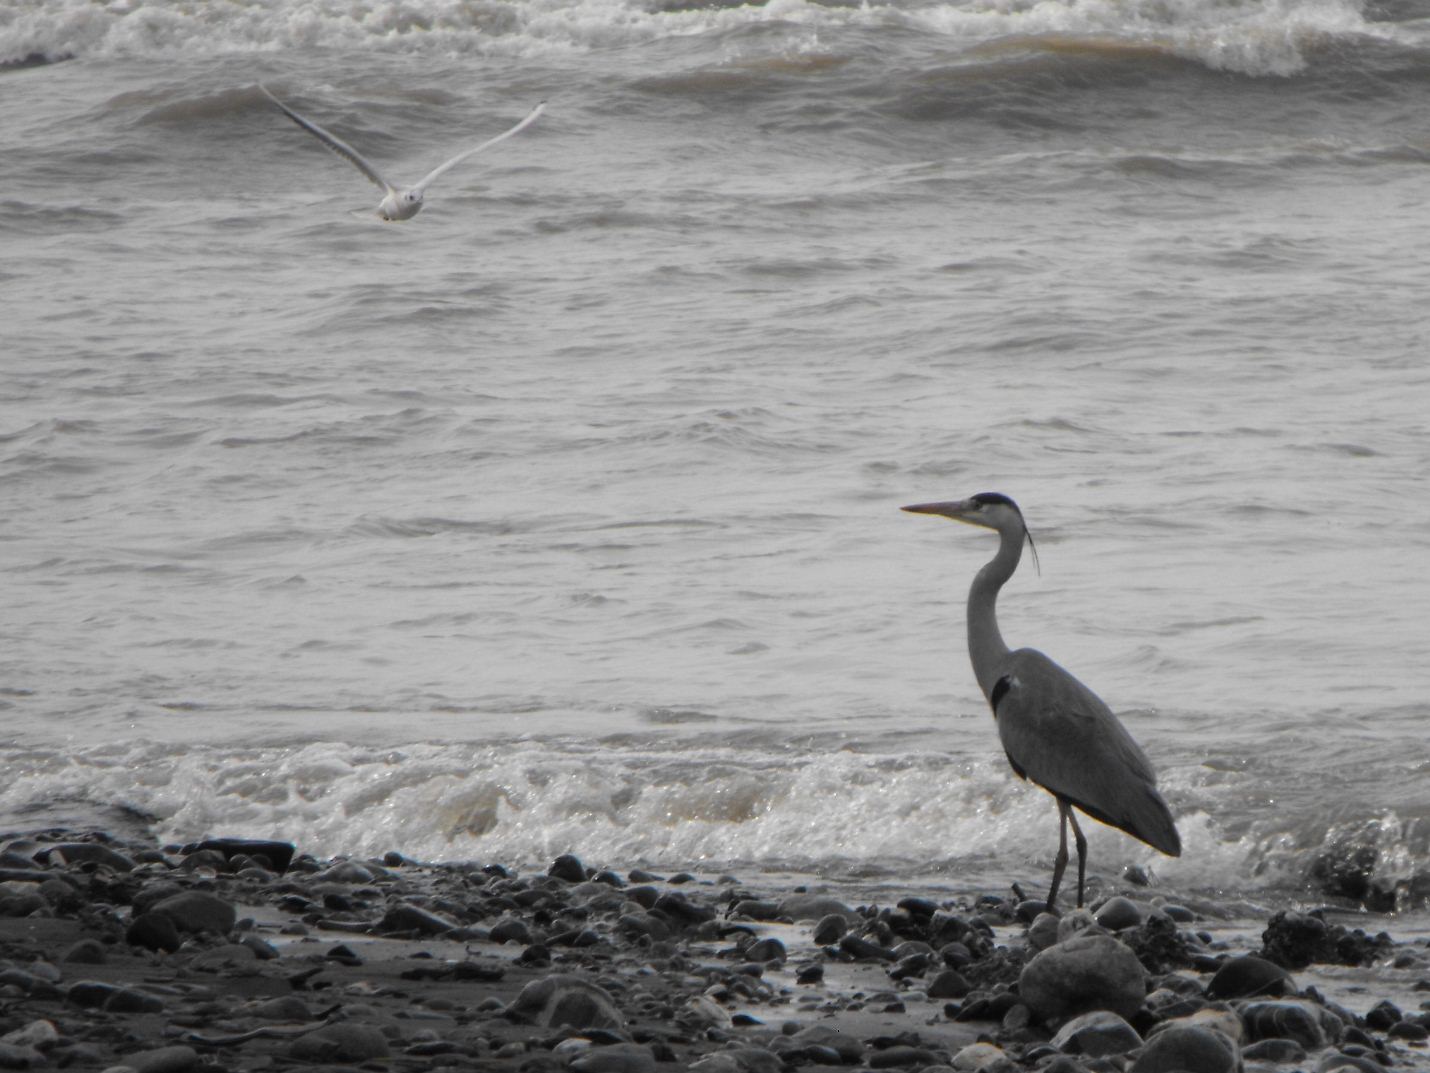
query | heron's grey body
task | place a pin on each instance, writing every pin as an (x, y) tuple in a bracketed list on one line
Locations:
[(398, 202), (1055, 731)]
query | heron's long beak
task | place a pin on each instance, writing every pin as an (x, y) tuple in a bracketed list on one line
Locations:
[(956, 509)]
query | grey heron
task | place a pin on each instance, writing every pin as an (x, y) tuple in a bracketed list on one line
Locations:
[(1056, 732)]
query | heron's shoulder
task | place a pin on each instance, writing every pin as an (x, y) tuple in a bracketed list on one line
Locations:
[(1029, 676)]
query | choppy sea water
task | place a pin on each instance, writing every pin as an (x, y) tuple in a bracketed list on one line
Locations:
[(564, 516)]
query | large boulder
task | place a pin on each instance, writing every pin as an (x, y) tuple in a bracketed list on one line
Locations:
[(565, 999), (1081, 974)]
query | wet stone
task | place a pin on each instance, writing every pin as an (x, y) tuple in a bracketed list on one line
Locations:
[(1097, 1034), (566, 999), (830, 929), (1288, 1019), (768, 949), (1280, 1051), (1188, 1049), (1090, 972), (343, 1041), (153, 931), (177, 1059), (510, 930), (132, 1000), (87, 853), (1117, 913), (198, 911), (799, 907), (949, 983), (568, 867), (85, 952), (406, 918), (1250, 977)]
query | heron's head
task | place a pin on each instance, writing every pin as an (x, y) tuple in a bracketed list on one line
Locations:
[(990, 510)]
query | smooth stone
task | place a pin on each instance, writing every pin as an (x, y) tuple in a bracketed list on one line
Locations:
[(277, 855), (949, 983), (568, 867), (132, 1000), (1074, 923), (41, 1035), (744, 1059), (349, 872), (566, 999), (22, 903), (89, 994), (830, 929), (1097, 1034), (1281, 1051), (1250, 977), (768, 949), (284, 1008), (198, 911), (1336, 1063), (617, 1058), (900, 1055), (1188, 1049), (1087, 972), (343, 1041), (977, 1055), (85, 952), (406, 917), (1382, 1015), (682, 910), (177, 1059), (1043, 931), (1117, 913), (510, 930), (88, 853), (153, 931), (1220, 1017), (1289, 1019), (755, 909), (1408, 1031), (815, 907), (849, 1049), (13, 1056)]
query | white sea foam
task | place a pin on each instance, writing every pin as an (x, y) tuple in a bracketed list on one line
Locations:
[(1257, 37)]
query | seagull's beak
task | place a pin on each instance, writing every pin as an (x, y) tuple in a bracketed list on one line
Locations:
[(957, 509)]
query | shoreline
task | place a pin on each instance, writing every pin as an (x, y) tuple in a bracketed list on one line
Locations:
[(116, 952)]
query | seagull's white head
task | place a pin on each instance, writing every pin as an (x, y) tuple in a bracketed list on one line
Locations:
[(400, 204)]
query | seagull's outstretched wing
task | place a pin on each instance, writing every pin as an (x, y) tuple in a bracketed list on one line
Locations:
[(333, 142), (439, 169)]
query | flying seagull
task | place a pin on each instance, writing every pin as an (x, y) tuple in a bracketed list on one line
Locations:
[(398, 202)]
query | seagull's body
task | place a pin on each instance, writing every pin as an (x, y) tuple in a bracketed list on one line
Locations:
[(398, 202)]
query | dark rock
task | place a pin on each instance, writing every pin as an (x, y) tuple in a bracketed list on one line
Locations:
[(1303, 1022), (1382, 1015), (768, 949), (1408, 1031), (849, 1050), (205, 858), (1280, 1051), (1087, 972), (1097, 1034), (342, 1041), (132, 1000), (815, 907), (569, 868), (1297, 940), (13, 1056), (22, 903), (830, 929), (178, 1059), (198, 911), (862, 949), (89, 994), (273, 855), (608, 878), (754, 909), (510, 930), (88, 853), (1348, 1063), (350, 872), (810, 974), (617, 1058), (1250, 977), (153, 931), (900, 1055), (1117, 913), (681, 910), (405, 917), (565, 999), (1188, 1049), (949, 983), (85, 952)]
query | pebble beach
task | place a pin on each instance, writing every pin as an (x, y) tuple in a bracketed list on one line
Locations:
[(236, 954)]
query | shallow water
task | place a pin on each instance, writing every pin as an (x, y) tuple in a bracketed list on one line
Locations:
[(564, 515)]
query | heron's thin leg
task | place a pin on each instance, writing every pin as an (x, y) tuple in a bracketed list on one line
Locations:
[(1061, 861), (1081, 854)]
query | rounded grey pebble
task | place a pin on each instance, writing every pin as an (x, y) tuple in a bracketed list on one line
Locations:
[(178, 1059), (1117, 913), (949, 983), (510, 930), (344, 1041), (1096, 1035), (85, 952), (1087, 972), (830, 929), (1249, 977), (1280, 1051), (1188, 1049)]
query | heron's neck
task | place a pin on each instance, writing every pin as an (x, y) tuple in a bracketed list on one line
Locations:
[(985, 642)]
